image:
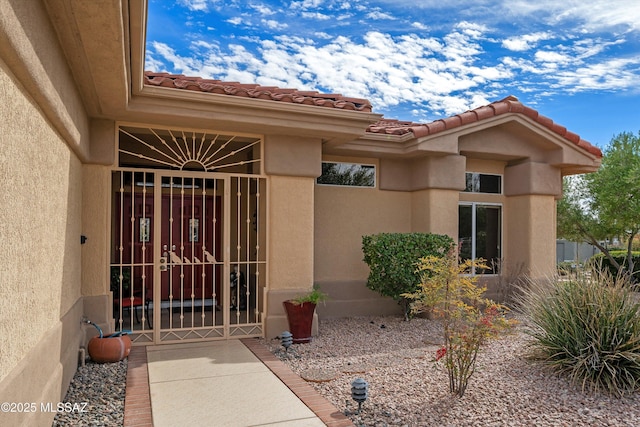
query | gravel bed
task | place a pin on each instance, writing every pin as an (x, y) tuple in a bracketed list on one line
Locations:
[(407, 387), (102, 387)]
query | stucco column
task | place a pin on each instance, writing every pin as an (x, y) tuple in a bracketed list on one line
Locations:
[(435, 211), (96, 226), (436, 183), (290, 245), (292, 163), (531, 234)]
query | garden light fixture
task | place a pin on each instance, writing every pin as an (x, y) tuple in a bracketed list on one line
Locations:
[(359, 391), (286, 339)]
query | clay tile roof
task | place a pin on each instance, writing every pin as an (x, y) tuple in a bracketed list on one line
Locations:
[(272, 93), (510, 104)]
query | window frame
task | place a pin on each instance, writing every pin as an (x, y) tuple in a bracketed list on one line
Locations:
[(501, 176), (368, 165), (474, 206)]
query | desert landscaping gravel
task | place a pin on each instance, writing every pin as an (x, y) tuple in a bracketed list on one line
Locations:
[(102, 387), (407, 387)]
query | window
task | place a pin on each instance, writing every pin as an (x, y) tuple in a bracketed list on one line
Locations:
[(479, 234), (483, 183), (348, 174)]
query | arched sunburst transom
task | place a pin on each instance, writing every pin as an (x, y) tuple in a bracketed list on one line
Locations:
[(188, 150)]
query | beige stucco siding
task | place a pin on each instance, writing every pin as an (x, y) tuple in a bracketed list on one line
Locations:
[(29, 46), (40, 223), (485, 166), (531, 234), (40, 228), (343, 216), (97, 228), (435, 211), (290, 245), (290, 232)]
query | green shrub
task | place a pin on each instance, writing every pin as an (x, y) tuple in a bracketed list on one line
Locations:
[(602, 263), (588, 329), (392, 259)]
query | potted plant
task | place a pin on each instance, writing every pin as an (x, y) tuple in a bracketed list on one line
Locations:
[(300, 312), (115, 280)]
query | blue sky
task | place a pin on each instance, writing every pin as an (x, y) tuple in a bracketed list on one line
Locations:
[(575, 61)]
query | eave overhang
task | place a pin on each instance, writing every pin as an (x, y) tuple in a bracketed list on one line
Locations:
[(521, 138)]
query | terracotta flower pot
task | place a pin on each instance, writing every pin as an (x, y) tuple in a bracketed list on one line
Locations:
[(109, 349), (300, 317)]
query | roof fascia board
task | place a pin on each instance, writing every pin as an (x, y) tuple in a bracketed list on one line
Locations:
[(261, 113), (229, 101), (446, 141), (137, 37)]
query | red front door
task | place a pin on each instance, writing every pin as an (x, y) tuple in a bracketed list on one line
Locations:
[(191, 243)]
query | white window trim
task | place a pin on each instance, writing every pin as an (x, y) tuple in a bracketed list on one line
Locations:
[(473, 229)]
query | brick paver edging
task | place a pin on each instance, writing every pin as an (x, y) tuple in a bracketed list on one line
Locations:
[(324, 409), (137, 401)]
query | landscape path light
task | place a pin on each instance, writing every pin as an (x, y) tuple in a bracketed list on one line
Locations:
[(359, 391), (286, 339)]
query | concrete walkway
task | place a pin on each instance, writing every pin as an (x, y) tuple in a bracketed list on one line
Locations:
[(220, 383)]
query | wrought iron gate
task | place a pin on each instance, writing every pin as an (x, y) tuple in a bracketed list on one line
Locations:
[(188, 251)]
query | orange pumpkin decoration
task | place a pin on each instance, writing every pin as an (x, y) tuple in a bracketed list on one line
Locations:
[(109, 349)]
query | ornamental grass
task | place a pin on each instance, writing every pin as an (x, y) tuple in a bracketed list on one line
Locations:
[(587, 329)]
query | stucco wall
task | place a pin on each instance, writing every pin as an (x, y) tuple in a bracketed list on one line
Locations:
[(531, 237), (435, 211), (345, 214), (290, 232), (30, 49), (290, 241), (96, 227), (40, 228)]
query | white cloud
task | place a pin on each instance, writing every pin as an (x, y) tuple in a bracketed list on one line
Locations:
[(262, 9), (196, 5), (184, 65), (593, 15), (588, 48), (386, 70), (549, 57), (419, 25), (472, 29), (525, 42), (454, 66), (379, 15), (321, 35), (609, 75), (274, 24), (235, 20), (306, 4), (315, 15)]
